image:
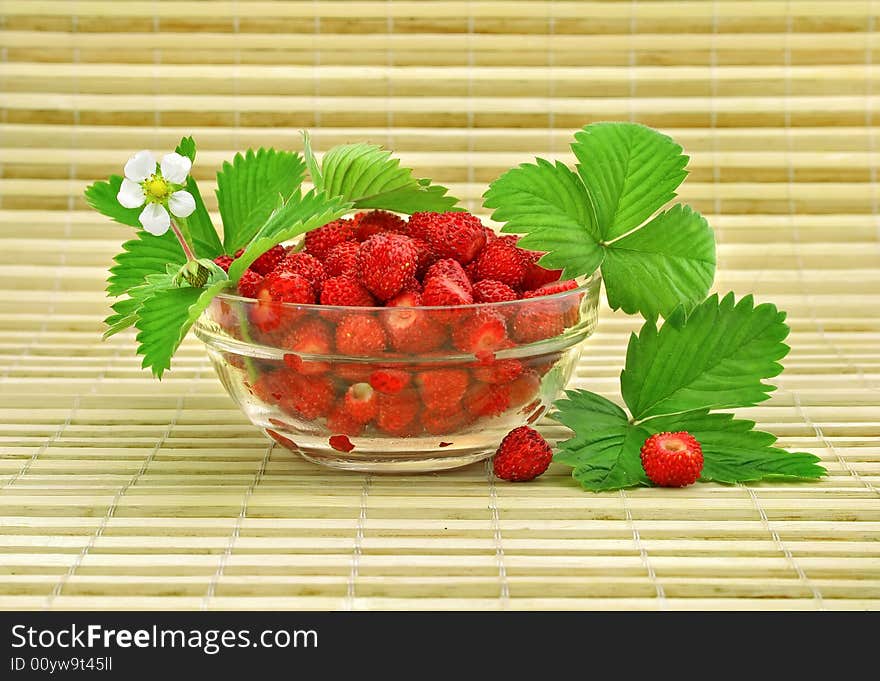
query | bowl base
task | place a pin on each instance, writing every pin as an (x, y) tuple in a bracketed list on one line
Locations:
[(391, 465)]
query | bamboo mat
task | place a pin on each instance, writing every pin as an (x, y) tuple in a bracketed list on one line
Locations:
[(117, 491)]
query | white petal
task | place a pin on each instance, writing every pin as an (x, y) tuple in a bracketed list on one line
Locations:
[(155, 219), (131, 194), (175, 168), (140, 166), (182, 204)]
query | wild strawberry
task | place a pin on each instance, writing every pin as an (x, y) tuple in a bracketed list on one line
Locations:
[(409, 329), (360, 335), (342, 260), (672, 459), (442, 389), (397, 414), (340, 422), (420, 225), (347, 292), (440, 423), (389, 381), (377, 221), (319, 241), (311, 337), (524, 389), (352, 372), (537, 276), (249, 284), (426, 256), (449, 269), (490, 234), (499, 371), (269, 313), (537, 321), (267, 261), (485, 399), (482, 331), (310, 397), (523, 455), (305, 265), (275, 385), (491, 291), (502, 261), (385, 263), (456, 235), (552, 288), (565, 306), (445, 291), (224, 261), (361, 402)]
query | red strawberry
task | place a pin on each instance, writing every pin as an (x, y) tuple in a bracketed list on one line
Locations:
[(352, 372), (311, 337), (268, 314), (456, 235), (440, 423), (305, 265), (340, 422), (386, 262), (491, 291), (397, 414), (267, 261), (482, 331), (347, 292), (224, 261), (311, 396), (361, 402), (672, 459), (411, 330), (442, 389), (360, 335), (275, 385), (249, 284), (490, 234), (523, 455), (524, 389), (537, 321), (537, 276), (500, 371), (389, 381), (420, 225), (442, 290), (566, 307), (342, 260), (485, 399), (319, 241), (426, 257), (502, 261), (377, 221), (449, 269), (552, 288)]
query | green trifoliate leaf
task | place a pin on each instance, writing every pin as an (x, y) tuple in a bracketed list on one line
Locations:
[(248, 188), (604, 450), (101, 196), (126, 309), (164, 320), (715, 358), (300, 214), (734, 452), (550, 204), (144, 255), (669, 261), (630, 170), (368, 177)]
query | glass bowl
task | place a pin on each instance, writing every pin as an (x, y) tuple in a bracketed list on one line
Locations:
[(389, 389)]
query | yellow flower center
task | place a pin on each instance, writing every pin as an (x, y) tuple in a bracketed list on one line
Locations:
[(157, 188)]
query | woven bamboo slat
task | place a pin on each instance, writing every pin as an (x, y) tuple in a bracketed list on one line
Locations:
[(118, 491)]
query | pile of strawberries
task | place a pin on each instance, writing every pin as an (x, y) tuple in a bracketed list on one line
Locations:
[(408, 269)]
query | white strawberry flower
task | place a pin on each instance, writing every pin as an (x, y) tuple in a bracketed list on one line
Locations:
[(160, 186)]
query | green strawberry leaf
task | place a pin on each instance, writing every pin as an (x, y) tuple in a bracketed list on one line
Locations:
[(715, 358), (164, 320), (604, 451), (125, 310), (248, 188), (366, 176), (669, 261), (198, 226), (101, 196), (626, 173), (298, 215), (312, 162), (734, 452), (551, 205), (144, 255), (630, 170)]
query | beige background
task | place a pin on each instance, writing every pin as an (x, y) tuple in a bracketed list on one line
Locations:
[(117, 491)]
